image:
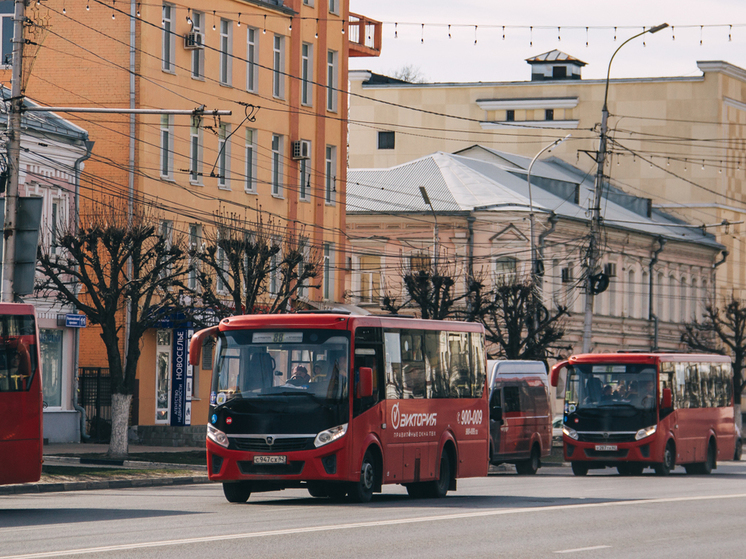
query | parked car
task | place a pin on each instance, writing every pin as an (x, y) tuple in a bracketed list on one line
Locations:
[(520, 416), (557, 430)]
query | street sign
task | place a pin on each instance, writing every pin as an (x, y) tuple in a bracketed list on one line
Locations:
[(76, 320)]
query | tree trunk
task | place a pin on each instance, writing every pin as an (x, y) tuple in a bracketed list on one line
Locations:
[(120, 414)]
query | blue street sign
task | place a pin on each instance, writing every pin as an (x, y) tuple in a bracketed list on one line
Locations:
[(76, 320)]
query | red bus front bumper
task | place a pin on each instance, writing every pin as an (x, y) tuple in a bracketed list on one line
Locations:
[(645, 451), (327, 463)]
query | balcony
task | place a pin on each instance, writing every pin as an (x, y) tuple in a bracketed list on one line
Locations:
[(364, 36)]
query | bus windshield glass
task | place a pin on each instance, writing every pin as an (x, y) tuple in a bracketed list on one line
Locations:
[(17, 352), (264, 365), (611, 385)]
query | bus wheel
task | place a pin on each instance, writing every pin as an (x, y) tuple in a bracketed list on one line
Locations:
[(437, 489), (709, 464), (669, 460), (362, 491), (531, 466), (739, 448), (579, 469), (237, 492)]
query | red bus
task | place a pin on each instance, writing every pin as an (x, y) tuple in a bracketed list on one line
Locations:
[(284, 413), (638, 410), (20, 395)]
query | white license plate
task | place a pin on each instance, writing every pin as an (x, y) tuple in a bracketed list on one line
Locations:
[(270, 459), (606, 447)]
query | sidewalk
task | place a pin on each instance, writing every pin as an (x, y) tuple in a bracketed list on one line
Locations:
[(77, 456)]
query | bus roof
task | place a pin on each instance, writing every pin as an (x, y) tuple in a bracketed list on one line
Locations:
[(646, 357), (341, 322)]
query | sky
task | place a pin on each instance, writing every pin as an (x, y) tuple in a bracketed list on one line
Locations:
[(701, 30)]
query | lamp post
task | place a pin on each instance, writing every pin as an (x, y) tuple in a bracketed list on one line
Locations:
[(531, 202), (593, 252), (426, 198)]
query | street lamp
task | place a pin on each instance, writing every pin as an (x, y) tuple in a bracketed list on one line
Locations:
[(426, 198), (531, 202), (592, 256)]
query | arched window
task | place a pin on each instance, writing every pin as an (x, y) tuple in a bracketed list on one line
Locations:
[(671, 299), (631, 295), (505, 267), (659, 297), (645, 299), (684, 302), (694, 298)]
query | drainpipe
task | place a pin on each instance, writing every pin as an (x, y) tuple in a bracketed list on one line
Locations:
[(553, 219), (470, 264), (76, 336), (651, 315)]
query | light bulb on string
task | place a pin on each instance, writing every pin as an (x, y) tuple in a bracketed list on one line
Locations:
[(559, 38), (503, 32), (643, 37), (668, 162), (239, 19), (213, 20), (87, 7), (138, 9), (317, 28), (720, 170), (64, 11), (673, 34), (703, 164), (730, 33), (189, 17), (343, 27), (396, 30), (475, 34), (422, 36), (531, 36), (586, 37), (449, 30), (264, 31), (701, 29)]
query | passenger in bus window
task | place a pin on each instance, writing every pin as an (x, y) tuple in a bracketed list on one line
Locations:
[(647, 396)]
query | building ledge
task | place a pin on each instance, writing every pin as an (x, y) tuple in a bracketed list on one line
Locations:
[(562, 124)]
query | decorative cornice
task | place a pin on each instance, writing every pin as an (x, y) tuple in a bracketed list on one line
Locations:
[(563, 124), (535, 103)]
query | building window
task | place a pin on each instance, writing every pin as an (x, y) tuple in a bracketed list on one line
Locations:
[(50, 347), (306, 71), (331, 80), (548, 114), (308, 3), (370, 279), (226, 57), (304, 171), (505, 268), (334, 7), (195, 242), (195, 152), (169, 38), (277, 165), (167, 151), (328, 271), (198, 55), (510, 115), (419, 262), (386, 140), (559, 73), (6, 11), (278, 58), (224, 156), (331, 170), (252, 60), (251, 161), (631, 295)]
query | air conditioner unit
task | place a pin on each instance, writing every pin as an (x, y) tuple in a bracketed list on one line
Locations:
[(194, 40), (302, 149)]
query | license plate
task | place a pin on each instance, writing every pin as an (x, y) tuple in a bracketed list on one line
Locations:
[(606, 447), (270, 459)]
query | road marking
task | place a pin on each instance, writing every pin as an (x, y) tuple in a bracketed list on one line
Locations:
[(356, 525), (584, 549)]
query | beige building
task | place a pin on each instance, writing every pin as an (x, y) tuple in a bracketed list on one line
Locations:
[(678, 140), (479, 218)]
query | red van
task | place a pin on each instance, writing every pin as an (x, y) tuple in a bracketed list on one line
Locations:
[(520, 415)]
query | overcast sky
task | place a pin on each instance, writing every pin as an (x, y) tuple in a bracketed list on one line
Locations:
[(440, 59)]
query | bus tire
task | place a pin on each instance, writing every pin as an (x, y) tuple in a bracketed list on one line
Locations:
[(579, 468), (531, 466), (237, 491), (362, 491), (710, 462), (739, 449), (437, 489), (669, 460)]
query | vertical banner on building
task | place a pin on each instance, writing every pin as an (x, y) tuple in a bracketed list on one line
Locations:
[(189, 381), (179, 379)]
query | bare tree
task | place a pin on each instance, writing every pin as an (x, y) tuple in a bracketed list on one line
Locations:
[(517, 322), (723, 331), (409, 73), (253, 266), (111, 268)]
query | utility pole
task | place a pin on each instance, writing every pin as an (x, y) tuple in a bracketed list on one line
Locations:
[(594, 254), (14, 154)]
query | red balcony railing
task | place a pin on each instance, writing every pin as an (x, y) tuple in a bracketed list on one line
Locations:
[(364, 36)]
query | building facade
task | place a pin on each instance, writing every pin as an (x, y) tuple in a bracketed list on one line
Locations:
[(677, 140), (278, 66), (478, 215)]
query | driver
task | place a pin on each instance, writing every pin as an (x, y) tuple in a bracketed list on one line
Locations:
[(300, 376)]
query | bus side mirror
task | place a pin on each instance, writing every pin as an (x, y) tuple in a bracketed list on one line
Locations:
[(195, 345), (667, 400), (554, 375), (365, 382)]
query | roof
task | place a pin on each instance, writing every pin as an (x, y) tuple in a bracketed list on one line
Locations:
[(495, 182), (43, 122), (555, 56)]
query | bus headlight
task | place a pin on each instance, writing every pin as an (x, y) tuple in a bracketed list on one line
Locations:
[(217, 436), (570, 432), (330, 435), (646, 432)]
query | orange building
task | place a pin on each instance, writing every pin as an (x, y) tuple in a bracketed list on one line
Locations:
[(279, 66)]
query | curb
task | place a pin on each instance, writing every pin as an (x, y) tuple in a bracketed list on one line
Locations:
[(111, 484), (51, 460)]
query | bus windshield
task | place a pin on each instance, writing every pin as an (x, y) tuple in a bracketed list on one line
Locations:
[(264, 365), (17, 352), (610, 384)]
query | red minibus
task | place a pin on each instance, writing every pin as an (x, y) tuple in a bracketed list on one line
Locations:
[(634, 410), (343, 404), (20, 395)]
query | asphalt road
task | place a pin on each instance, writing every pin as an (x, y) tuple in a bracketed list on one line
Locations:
[(548, 515)]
